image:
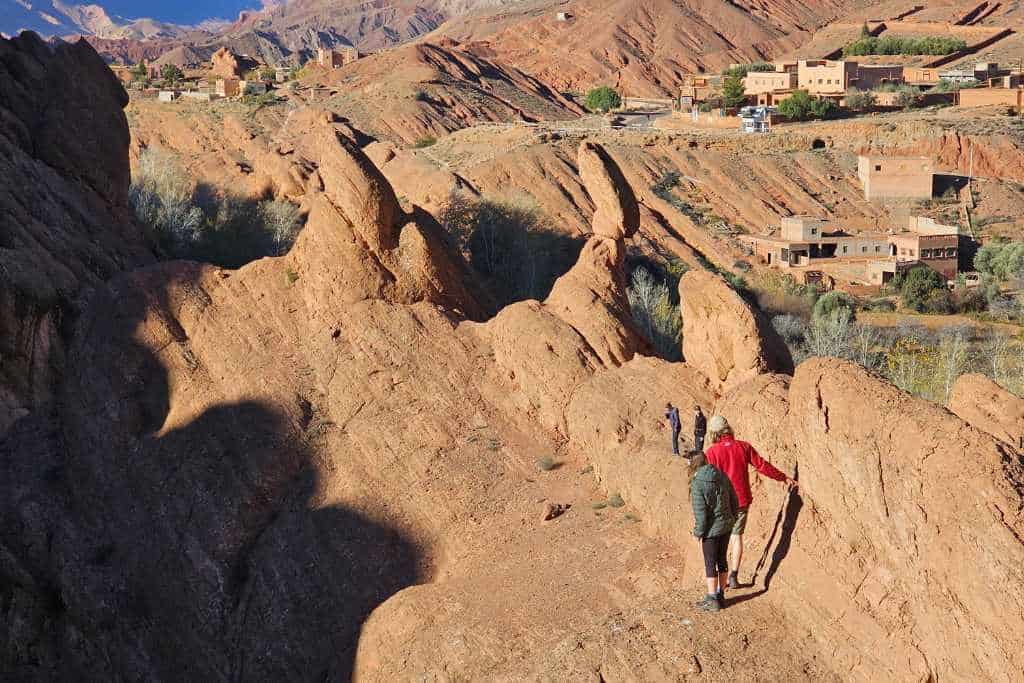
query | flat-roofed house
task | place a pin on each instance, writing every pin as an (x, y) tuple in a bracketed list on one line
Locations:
[(884, 177), (762, 82)]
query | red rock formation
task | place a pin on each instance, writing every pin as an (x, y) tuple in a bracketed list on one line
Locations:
[(723, 337), (63, 205), (985, 405), (225, 64)]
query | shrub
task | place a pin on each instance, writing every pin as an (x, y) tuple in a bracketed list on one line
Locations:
[(546, 464), (829, 335), (194, 222), (603, 99), (425, 141), (946, 85), (1001, 261), (161, 194), (939, 301), (832, 302), (860, 100), (822, 108), (791, 328), (656, 315), (705, 107), (615, 501), (800, 106), (282, 221), (510, 245), (268, 73), (290, 277), (918, 284)]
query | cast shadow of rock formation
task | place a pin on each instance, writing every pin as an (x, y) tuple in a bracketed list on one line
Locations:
[(131, 550)]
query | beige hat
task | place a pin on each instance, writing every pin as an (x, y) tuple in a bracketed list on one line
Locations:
[(718, 424)]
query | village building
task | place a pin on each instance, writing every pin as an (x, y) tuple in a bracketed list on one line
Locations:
[(812, 246), (563, 16), (917, 75), (694, 91), (982, 97), (336, 58), (884, 177), (825, 77), (227, 87), (763, 82), (167, 95)]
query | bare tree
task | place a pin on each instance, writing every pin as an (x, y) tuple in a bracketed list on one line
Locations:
[(829, 335), (996, 351), (952, 358)]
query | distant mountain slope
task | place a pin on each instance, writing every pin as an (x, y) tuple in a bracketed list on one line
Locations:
[(643, 46), (55, 18)]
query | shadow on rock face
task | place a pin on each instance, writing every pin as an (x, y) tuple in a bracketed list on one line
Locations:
[(200, 552)]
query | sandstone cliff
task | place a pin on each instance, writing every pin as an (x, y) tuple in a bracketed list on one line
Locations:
[(63, 206), (327, 465)]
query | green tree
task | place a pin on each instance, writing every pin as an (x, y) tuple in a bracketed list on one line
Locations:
[(268, 73), (918, 286), (797, 106), (833, 302), (906, 98), (170, 73), (822, 108), (140, 72), (733, 92), (603, 99)]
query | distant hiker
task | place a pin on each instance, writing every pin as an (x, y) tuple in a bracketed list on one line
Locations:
[(733, 457), (700, 428), (672, 415), (714, 514)]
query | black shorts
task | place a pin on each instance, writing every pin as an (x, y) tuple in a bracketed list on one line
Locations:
[(715, 550)]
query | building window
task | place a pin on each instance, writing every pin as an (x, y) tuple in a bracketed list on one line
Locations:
[(878, 167), (877, 249), (910, 251), (926, 253), (845, 248), (814, 231), (903, 251), (864, 249), (951, 253)]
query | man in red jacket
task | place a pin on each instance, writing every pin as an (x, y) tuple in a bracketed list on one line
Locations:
[(734, 457)]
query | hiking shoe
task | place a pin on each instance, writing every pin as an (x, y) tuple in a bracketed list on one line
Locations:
[(709, 604), (734, 581)]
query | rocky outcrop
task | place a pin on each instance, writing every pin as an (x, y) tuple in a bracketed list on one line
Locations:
[(226, 64), (723, 336), (985, 405), (318, 466), (64, 220), (874, 549)]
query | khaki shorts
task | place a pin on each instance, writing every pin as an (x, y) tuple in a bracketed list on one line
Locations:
[(740, 525)]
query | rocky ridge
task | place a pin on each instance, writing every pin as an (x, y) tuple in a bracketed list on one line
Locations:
[(320, 466)]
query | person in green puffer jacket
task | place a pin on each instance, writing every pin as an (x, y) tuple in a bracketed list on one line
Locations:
[(714, 512)]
